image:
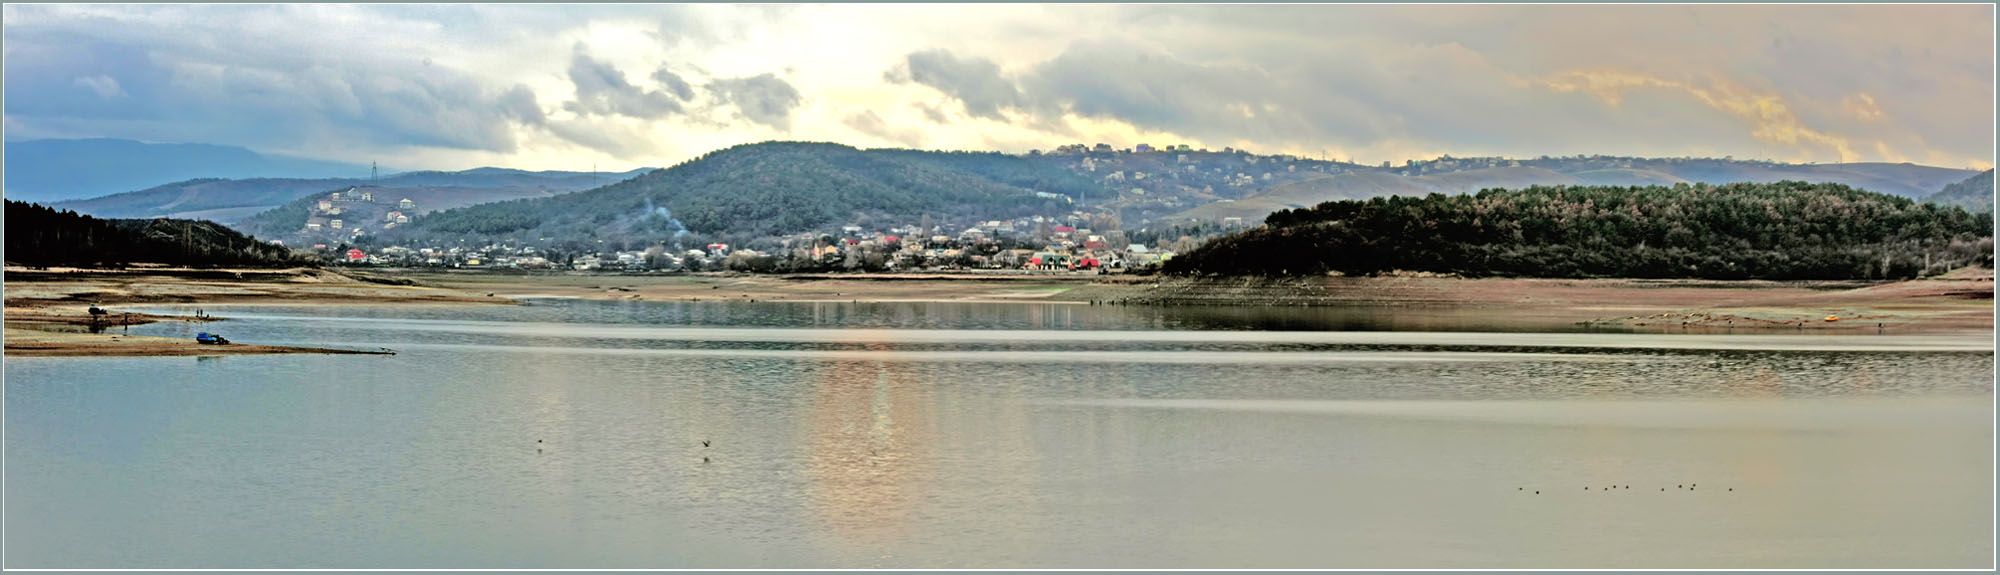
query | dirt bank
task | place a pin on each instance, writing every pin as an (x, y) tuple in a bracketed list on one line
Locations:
[(1958, 301), (26, 288), (1962, 300), (47, 310), (41, 343)]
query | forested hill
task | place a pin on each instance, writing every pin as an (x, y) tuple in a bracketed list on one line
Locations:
[(775, 188), (1783, 230), (40, 236), (1973, 194)]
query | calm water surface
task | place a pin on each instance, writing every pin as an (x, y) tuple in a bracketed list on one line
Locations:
[(569, 434)]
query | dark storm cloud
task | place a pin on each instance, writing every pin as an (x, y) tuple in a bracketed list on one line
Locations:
[(762, 99)]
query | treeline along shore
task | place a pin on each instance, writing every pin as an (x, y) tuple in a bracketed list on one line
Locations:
[(1776, 231)]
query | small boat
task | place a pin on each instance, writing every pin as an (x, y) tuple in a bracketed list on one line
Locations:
[(1833, 318), (210, 339)]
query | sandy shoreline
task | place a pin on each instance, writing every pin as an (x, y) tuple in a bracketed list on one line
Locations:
[(1959, 301), (27, 342), (46, 310)]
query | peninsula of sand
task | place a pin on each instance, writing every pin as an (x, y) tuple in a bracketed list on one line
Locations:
[(49, 311)]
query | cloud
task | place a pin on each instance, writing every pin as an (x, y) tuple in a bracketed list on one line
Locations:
[(673, 84), (519, 104), (1152, 90), (698, 25), (933, 113), (602, 90), (607, 135), (1769, 116), (975, 82), (762, 99), (866, 122), (105, 86), (533, 85), (245, 76), (1862, 107), (1312, 95)]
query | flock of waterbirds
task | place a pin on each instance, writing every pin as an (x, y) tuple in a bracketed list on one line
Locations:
[(1611, 488)]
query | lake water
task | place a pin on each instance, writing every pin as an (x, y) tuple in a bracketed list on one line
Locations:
[(570, 434)]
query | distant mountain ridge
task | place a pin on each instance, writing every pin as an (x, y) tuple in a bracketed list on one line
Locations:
[(780, 188), (776, 188), (228, 201), (1975, 194), (58, 170)]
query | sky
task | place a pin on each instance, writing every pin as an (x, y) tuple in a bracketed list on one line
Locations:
[(627, 86)]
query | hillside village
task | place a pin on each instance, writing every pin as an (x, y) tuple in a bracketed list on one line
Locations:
[(1141, 181), (1139, 207), (346, 215), (1036, 244)]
